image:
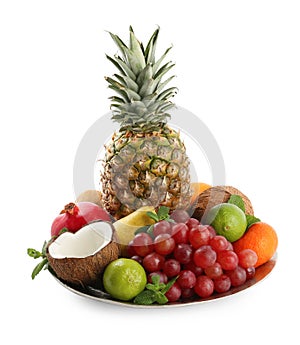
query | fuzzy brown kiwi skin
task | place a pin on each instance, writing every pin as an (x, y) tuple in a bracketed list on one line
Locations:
[(84, 271), (217, 195)]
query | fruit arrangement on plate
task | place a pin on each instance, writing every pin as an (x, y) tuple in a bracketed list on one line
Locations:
[(150, 236)]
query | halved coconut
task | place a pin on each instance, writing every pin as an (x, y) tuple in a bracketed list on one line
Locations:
[(80, 258)]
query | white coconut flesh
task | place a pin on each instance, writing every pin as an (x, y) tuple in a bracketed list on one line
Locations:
[(87, 241)]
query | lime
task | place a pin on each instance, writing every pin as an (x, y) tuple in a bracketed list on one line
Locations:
[(124, 279), (228, 220)]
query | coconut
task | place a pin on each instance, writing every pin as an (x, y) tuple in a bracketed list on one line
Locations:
[(80, 258), (217, 195), (90, 195)]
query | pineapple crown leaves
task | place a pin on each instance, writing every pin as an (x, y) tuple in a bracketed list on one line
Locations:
[(142, 101)]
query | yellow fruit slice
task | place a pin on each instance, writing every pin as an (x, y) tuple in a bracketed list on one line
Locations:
[(127, 226)]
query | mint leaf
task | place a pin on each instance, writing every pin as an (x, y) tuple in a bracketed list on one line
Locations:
[(154, 292), (251, 220), (153, 216), (163, 212), (150, 230), (161, 298), (142, 229), (44, 248), (63, 230), (33, 253), (237, 201), (38, 268), (145, 297), (155, 279), (168, 285)]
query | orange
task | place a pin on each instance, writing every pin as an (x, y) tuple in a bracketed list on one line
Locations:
[(197, 189), (261, 238)]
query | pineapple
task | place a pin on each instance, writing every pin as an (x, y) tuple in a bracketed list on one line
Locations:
[(145, 162)]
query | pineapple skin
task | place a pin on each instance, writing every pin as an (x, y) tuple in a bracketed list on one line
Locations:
[(145, 169)]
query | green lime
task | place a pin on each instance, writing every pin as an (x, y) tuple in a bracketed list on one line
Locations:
[(124, 279), (228, 220)]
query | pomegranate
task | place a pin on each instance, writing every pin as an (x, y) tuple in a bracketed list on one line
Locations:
[(75, 216)]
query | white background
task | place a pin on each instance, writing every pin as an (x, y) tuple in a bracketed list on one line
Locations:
[(237, 67)]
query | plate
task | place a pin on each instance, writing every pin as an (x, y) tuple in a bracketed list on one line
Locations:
[(96, 294)]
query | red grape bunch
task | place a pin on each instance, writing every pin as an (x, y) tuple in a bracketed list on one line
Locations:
[(203, 262)]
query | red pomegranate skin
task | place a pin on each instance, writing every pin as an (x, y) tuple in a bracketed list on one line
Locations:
[(74, 216)]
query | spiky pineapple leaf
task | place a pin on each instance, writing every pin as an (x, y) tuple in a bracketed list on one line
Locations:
[(136, 50), (151, 47), (121, 45), (125, 67), (160, 60)]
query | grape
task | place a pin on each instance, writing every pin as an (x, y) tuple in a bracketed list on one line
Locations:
[(237, 276), (222, 283), (153, 262), (229, 246), (204, 286), (214, 271), (187, 293), (130, 249), (137, 258), (250, 272), (186, 279), (218, 243), (183, 253), (192, 223), (204, 257), (164, 244), (228, 259), (162, 227), (247, 258), (143, 244), (180, 216), (180, 233), (171, 267), (199, 236), (174, 293), (162, 277), (195, 269), (211, 230)]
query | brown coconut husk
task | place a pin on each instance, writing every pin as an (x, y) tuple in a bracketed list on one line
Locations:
[(217, 195), (85, 271)]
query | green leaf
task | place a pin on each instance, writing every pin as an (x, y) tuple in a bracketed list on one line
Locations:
[(169, 285), (142, 229), (150, 230), (153, 216), (44, 248), (124, 67), (150, 48), (251, 220), (139, 59), (237, 201), (155, 279), (38, 268), (116, 64), (159, 61), (145, 297), (34, 253), (63, 230), (163, 212), (152, 287), (121, 45), (161, 298)]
